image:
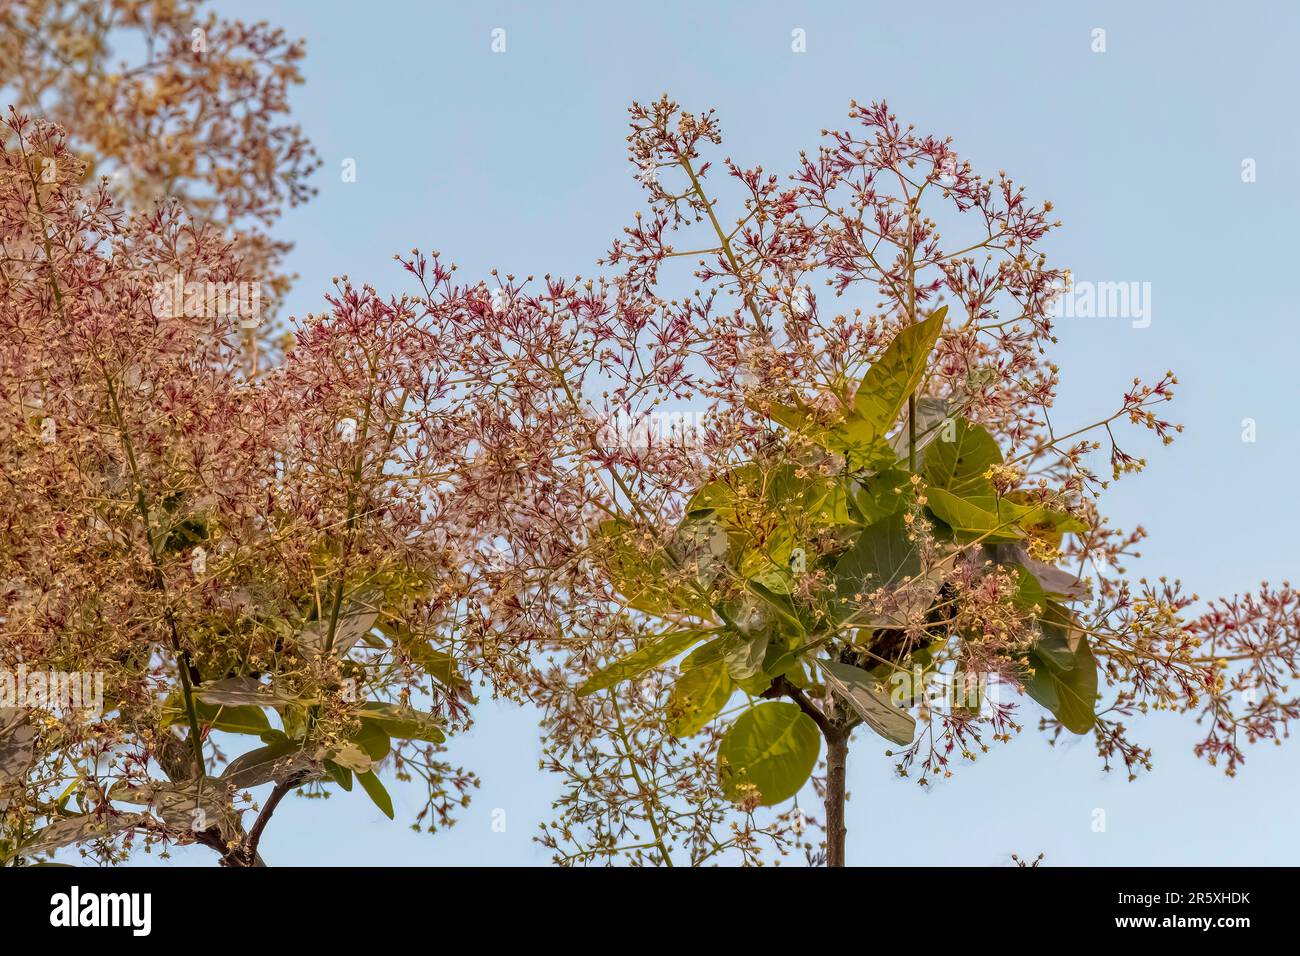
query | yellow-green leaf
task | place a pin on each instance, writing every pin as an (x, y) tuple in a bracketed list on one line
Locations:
[(897, 373), (768, 754), (697, 697), (646, 658), (989, 519)]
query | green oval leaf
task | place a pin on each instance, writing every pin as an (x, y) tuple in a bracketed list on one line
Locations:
[(768, 754), (958, 463)]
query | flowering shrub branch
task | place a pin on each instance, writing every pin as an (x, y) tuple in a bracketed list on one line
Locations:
[(213, 548), (880, 499)]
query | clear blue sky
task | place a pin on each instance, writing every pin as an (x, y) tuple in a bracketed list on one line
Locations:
[(516, 160)]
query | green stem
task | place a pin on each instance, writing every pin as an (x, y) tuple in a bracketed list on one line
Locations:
[(725, 240), (648, 799)]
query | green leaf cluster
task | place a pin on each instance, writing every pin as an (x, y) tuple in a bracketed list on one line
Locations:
[(841, 505)]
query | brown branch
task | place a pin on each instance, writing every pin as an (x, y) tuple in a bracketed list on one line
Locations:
[(837, 756), (255, 834), (837, 753), (781, 686)]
